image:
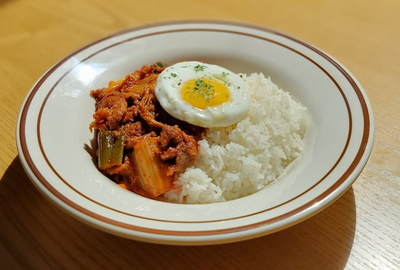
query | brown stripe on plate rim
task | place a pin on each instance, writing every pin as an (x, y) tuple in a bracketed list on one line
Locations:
[(212, 232)]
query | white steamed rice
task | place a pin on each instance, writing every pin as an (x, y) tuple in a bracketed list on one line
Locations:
[(242, 159)]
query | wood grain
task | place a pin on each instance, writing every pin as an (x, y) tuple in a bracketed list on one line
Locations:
[(359, 231)]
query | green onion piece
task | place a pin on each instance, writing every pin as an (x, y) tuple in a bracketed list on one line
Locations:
[(111, 150), (160, 64)]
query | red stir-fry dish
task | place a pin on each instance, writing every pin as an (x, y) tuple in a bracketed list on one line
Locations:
[(140, 146)]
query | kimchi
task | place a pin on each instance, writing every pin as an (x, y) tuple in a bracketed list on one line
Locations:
[(140, 146)]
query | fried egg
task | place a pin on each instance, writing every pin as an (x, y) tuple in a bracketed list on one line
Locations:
[(202, 94)]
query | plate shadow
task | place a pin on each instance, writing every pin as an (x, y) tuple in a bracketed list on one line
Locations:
[(35, 234)]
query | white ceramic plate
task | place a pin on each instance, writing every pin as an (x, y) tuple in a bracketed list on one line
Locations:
[(53, 137)]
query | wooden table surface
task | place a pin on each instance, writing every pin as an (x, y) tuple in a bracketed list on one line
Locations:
[(361, 230)]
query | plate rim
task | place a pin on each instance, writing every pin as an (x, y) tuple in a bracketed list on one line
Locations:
[(362, 156)]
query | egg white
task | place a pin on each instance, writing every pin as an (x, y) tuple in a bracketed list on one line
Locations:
[(168, 93)]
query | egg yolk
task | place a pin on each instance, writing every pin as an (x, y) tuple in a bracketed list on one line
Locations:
[(203, 93)]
